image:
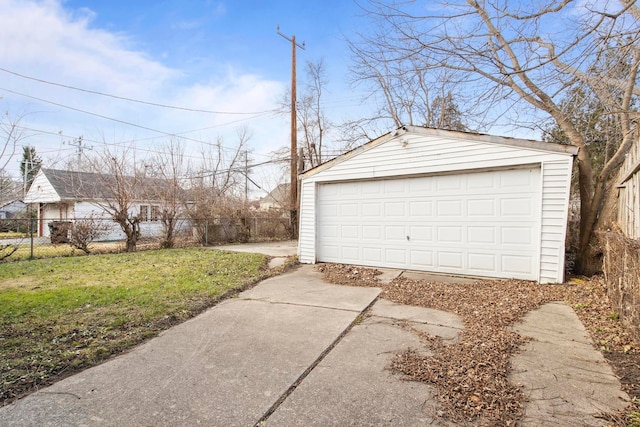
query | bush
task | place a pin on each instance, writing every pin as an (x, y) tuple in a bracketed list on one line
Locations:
[(85, 231)]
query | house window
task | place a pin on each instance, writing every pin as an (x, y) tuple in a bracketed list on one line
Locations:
[(155, 212), (144, 213)]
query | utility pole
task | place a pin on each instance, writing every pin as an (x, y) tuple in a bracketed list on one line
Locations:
[(246, 177), (294, 134), (80, 147)]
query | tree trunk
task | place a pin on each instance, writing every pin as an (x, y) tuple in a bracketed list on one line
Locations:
[(133, 232)]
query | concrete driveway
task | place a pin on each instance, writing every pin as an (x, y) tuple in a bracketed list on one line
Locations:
[(296, 351)]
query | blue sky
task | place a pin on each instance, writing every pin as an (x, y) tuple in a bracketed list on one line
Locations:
[(211, 55)]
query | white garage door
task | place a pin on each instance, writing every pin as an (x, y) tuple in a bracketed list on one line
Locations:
[(482, 224)]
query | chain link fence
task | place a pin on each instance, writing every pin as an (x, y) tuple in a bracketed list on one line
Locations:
[(29, 238)]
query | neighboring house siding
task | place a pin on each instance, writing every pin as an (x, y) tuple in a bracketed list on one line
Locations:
[(438, 152), (69, 196), (629, 194), (41, 191)]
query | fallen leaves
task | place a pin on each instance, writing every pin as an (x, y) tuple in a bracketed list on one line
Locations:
[(471, 377)]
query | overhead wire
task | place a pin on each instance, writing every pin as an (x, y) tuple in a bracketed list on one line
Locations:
[(124, 98), (128, 123)]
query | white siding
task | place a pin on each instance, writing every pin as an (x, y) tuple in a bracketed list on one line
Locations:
[(307, 230), (556, 182), (430, 155), (423, 153), (41, 191)]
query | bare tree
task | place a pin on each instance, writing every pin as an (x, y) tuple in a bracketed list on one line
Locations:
[(518, 54), (313, 122), (10, 134), (8, 187), (169, 166), (218, 184), (117, 190), (405, 90)]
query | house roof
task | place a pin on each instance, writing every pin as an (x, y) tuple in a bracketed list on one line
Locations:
[(280, 194), (441, 133), (12, 205), (72, 185)]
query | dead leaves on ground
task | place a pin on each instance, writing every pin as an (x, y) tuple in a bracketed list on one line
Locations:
[(471, 377)]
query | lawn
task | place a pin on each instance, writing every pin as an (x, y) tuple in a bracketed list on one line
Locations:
[(64, 314)]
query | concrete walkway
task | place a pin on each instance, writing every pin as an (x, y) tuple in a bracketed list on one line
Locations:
[(567, 382), (297, 351)]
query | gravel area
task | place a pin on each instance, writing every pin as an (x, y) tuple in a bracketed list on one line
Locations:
[(471, 377)]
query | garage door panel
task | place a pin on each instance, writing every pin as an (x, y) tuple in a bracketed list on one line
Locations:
[(349, 231), (450, 260), (371, 188), (349, 210), (420, 209), (470, 223), (449, 183), (394, 232), (393, 186), (450, 234), (482, 262), (421, 234), (481, 207), (522, 236), (517, 264), (371, 209), (396, 256), (372, 254), (421, 258), (394, 209), (328, 210), (520, 207), (449, 208), (371, 232), (518, 178), (422, 187), (481, 235), (329, 231), (483, 182), (350, 253)]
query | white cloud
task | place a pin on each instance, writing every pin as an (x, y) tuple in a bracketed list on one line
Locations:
[(44, 40)]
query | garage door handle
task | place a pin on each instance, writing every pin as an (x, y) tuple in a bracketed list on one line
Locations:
[(408, 238)]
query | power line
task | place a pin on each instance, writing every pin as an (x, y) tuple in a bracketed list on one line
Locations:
[(155, 104), (116, 120)]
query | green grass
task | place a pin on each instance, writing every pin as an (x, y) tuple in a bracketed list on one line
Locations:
[(63, 314), (11, 235), (40, 251)]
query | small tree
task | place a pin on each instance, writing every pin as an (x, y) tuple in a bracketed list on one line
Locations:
[(218, 187), (119, 188), (169, 167), (86, 230)]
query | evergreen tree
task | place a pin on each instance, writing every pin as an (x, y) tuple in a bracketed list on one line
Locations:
[(29, 165)]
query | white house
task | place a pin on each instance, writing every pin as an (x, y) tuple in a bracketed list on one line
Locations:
[(278, 198), (441, 201), (10, 209), (62, 195)]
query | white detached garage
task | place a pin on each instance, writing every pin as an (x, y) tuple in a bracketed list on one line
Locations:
[(441, 201)]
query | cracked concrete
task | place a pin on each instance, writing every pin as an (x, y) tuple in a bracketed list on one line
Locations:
[(567, 381)]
